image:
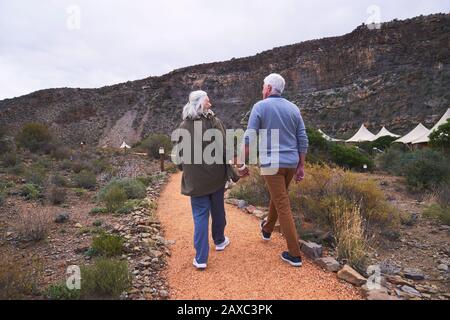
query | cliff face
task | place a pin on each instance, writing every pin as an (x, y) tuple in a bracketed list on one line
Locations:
[(396, 76)]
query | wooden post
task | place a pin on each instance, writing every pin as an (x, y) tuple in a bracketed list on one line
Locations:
[(162, 158)]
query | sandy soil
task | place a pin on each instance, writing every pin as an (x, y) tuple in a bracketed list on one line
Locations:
[(248, 269)]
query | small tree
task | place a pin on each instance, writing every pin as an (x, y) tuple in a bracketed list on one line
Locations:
[(154, 142), (440, 139), (35, 137)]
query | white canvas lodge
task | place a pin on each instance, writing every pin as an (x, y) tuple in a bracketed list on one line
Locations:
[(415, 134), (426, 137), (328, 138), (385, 133), (363, 135)]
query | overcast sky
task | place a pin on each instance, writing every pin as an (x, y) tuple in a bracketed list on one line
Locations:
[(86, 43)]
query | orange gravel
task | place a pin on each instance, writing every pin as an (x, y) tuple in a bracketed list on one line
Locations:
[(248, 269)]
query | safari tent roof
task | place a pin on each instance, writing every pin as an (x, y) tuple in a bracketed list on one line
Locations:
[(426, 137), (327, 137), (362, 135), (125, 146), (385, 133), (415, 134)]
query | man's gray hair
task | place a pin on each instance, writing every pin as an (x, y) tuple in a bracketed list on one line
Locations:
[(277, 83), (194, 109)]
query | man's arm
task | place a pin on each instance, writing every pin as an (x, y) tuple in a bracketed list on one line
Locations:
[(254, 124), (302, 146)]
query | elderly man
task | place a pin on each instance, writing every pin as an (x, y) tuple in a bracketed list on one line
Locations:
[(275, 116)]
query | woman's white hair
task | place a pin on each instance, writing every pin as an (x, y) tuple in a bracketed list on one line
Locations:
[(194, 109), (277, 83)]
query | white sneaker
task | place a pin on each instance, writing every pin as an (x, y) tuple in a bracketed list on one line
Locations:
[(200, 266), (223, 246)]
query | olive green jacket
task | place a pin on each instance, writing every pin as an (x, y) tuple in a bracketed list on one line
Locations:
[(203, 179)]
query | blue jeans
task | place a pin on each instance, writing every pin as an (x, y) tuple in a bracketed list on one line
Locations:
[(202, 207)]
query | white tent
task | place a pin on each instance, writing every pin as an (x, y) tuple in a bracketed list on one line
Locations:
[(362, 135), (125, 146), (385, 133), (426, 137), (418, 132), (327, 137)]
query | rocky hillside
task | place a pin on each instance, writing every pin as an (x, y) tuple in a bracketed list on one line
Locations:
[(396, 76)]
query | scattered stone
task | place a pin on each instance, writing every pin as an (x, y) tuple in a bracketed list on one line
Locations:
[(250, 209), (329, 264), (443, 267), (311, 249), (397, 280), (349, 275), (164, 294), (242, 204), (414, 274), (389, 268), (260, 214), (155, 253), (62, 218), (411, 291), (79, 226)]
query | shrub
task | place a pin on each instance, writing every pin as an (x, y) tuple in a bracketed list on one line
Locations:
[(57, 196), (59, 291), (382, 144), (33, 225), (154, 142), (58, 181), (2, 197), (59, 152), (16, 282), (36, 175), (428, 171), (86, 180), (30, 192), (35, 137), (79, 166), (108, 245), (350, 158), (105, 279), (115, 198), (440, 139), (348, 229), (100, 165), (10, 159), (253, 189), (97, 211), (133, 188), (438, 212)]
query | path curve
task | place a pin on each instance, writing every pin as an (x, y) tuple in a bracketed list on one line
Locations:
[(249, 269)]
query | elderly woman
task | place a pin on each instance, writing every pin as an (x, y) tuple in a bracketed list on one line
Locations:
[(204, 183)]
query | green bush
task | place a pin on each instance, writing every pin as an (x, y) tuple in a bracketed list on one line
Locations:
[(59, 291), (133, 188), (440, 139), (108, 245), (99, 211), (441, 213), (350, 158), (427, 171), (79, 166), (115, 198), (36, 175), (59, 181), (34, 137), (105, 279), (57, 195), (382, 144), (10, 159), (86, 180), (154, 142), (30, 192)]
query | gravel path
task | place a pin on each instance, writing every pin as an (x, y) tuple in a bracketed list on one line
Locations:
[(248, 269)]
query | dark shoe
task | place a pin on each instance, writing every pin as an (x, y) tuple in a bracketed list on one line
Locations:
[(265, 235), (293, 261)]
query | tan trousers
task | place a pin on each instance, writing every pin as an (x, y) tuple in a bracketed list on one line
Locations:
[(280, 208)]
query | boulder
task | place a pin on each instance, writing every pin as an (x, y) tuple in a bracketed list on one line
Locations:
[(329, 264), (62, 218), (413, 274), (311, 249), (349, 275)]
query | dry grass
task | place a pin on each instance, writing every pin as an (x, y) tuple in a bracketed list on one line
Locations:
[(33, 225), (348, 228)]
